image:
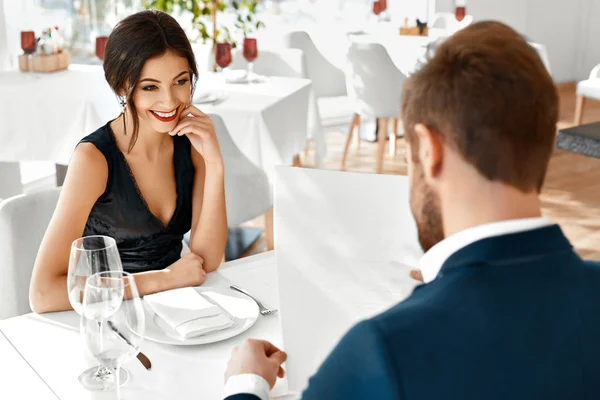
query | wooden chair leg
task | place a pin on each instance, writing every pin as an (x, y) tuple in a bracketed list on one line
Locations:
[(353, 125), (307, 149), (357, 133), (579, 105), (269, 230), (393, 137), (382, 132), (296, 162)]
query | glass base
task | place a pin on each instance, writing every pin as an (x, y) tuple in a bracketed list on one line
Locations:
[(99, 378)]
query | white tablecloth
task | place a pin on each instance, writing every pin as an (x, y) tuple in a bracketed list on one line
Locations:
[(17, 379), (51, 345), (45, 115), (268, 121)]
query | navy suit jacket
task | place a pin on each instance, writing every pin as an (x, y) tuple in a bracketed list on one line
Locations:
[(508, 317)]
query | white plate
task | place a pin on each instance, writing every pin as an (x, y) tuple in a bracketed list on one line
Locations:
[(243, 310)]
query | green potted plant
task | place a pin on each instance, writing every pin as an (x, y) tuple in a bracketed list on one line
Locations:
[(204, 14), (247, 21)]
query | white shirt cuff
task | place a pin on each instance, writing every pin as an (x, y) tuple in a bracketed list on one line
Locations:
[(247, 383)]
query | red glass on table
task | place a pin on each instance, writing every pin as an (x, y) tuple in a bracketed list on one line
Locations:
[(460, 13), (377, 7), (250, 53), (101, 46), (223, 54), (28, 42), (382, 5)]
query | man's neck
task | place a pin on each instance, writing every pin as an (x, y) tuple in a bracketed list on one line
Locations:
[(486, 203)]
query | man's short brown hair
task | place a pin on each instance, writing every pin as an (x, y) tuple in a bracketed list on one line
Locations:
[(488, 95)]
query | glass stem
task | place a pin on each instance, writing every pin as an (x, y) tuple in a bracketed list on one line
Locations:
[(100, 332), (117, 381), (249, 71)]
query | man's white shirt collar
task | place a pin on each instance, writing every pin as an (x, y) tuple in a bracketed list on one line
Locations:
[(432, 261)]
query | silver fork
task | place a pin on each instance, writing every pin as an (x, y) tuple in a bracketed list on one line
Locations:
[(263, 309)]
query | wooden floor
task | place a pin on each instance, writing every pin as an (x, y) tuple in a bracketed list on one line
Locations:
[(571, 195)]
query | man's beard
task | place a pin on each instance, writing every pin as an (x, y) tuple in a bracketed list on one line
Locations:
[(425, 206)]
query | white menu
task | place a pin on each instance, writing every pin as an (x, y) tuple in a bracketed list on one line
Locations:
[(345, 243)]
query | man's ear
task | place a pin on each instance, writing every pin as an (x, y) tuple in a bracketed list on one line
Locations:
[(431, 151)]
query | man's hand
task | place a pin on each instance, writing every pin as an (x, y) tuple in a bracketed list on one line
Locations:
[(257, 357), (416, 275)]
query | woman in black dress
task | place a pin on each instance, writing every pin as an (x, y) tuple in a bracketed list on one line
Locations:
[(145, 178)]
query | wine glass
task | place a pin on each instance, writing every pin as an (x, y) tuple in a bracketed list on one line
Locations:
[(460, 13), (113, 321), (90, 255), (250, 54), (29, 46), (377, 7), (223, 54), (101, 46)]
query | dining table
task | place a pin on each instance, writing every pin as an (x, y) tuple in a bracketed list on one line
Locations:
[(44, 116), (18, 380), (46, 353)]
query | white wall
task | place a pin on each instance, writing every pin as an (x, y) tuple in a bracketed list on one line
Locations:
[(411, 9), (567, 28), (557, 25), (4, 56), (589, 50)]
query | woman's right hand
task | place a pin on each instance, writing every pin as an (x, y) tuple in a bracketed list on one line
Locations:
[(186, 272)]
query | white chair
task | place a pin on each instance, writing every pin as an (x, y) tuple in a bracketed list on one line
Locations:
[(247, 188), (588, 89), (288, 63), (23, 222), (375, 85), (335, 108), (10, 176), (543, 53)]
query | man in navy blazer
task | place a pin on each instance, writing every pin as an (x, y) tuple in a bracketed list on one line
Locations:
[(508, 310)]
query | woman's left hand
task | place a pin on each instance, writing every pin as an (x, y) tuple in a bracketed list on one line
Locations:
[(200, 130)]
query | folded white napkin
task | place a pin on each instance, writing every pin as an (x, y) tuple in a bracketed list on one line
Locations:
[(187, 313)]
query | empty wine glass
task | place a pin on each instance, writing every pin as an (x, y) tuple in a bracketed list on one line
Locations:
[(90, 255), (113, 322), (250, 54)]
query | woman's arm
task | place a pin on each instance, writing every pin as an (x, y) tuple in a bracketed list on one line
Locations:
[(209, 218), (84, 184)]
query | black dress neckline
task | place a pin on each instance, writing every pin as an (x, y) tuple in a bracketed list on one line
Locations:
[(137, 188), (145, 243)]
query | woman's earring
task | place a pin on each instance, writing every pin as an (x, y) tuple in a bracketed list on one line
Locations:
[(193, 90), (123, 104)]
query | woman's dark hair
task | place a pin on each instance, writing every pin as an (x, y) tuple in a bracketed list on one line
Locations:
[(135, 40)]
